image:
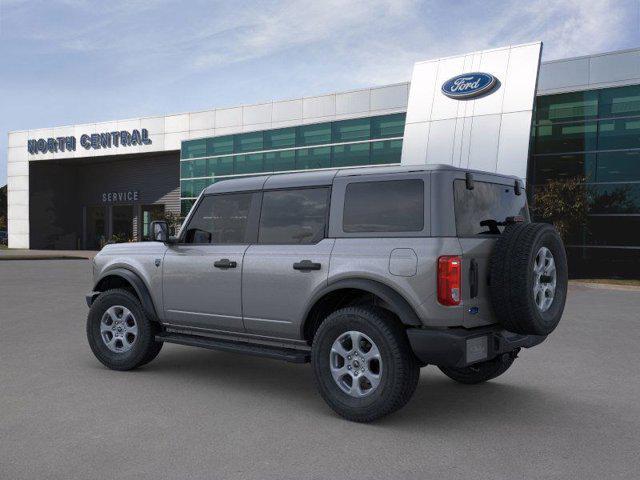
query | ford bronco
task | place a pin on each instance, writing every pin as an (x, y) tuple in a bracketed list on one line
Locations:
[(369, 274)]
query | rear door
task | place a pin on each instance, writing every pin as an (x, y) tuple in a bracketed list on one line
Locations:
[(290, 261), (486, 202)]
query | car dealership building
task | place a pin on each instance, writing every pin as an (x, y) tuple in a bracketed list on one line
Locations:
[(77, 187)]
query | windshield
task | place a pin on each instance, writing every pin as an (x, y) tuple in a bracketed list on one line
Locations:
[(483, 210)]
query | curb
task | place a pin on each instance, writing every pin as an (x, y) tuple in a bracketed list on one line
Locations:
[(606, 286)]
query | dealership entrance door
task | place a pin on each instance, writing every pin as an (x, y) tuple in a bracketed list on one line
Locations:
[(119, 223)]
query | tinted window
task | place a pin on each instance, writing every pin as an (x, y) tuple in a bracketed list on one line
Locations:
[(220, 219), (390, 206), (294, 216), (487, 201)]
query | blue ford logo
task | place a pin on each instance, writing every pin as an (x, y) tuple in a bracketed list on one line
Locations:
[(468, 85)]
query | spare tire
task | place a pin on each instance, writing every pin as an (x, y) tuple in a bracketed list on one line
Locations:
[(528, 278)]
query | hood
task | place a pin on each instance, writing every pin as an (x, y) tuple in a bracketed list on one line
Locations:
[(133, 248)]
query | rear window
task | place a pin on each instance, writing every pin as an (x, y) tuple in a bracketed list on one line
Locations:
[(486, 202), (388, 206)]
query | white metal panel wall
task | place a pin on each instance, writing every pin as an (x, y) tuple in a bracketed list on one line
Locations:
[(488, 133)]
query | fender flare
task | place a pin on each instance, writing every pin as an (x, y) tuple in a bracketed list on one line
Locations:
[(396, 302), (136, 282)]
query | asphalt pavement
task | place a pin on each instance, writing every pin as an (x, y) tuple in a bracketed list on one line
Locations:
[(569, 408)]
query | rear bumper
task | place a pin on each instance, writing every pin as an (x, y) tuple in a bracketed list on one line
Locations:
[(459, 347)]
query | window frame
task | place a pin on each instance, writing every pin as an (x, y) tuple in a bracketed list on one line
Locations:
[(325, 231), (251, 234), (340, 184)]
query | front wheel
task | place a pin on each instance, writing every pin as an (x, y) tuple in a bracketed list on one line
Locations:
[(363, 363), (119, 333)]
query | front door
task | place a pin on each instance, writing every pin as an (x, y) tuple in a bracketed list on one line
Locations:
[(202, 274), (289, 263)]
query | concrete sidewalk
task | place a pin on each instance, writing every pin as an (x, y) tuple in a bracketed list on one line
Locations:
[(23, 254)]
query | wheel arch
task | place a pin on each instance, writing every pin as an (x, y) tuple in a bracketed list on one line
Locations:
[(331, 295), (123, 278)]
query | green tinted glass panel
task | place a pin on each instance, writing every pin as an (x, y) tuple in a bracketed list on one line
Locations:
[(618, 166), (280, 161), (198, 186), (220, 166), (194, 148), (573, 137), (313, 134), (308, 158), (220, 145), (351, 130), (185, 206), (186, 169), (620, 102), (554, 167), (618, 198), (186, 188), (248, 142), (388, 151), (615, 134), (252, 163), (567, 107), (348, 155), (387, 126), (280, 138)]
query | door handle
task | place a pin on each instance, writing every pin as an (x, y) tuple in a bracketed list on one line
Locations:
[(306, 265), (225, 263)]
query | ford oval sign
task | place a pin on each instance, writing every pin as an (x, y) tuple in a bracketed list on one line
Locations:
[(469, 85)]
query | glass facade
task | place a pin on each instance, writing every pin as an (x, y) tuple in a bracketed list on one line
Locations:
[(594, 135), (362, 141)]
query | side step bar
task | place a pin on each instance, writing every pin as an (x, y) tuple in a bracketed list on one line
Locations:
[(278, 353)]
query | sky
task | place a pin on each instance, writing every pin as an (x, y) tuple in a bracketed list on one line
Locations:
[(65, 62)]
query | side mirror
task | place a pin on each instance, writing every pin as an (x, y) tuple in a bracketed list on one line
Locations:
[(159, 231)]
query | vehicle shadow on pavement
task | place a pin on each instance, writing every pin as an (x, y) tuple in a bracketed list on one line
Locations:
[(437, 402)]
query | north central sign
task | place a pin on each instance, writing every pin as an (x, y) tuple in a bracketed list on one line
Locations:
[(93, 141)]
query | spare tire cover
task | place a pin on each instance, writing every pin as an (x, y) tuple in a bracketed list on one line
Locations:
[(528, 278)]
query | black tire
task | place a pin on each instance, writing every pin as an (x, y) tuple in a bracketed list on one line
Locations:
[(512, 278), (144, 348), (398, 377), (480, 372)]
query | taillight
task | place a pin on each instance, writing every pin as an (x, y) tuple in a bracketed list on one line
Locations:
[(449, 280)]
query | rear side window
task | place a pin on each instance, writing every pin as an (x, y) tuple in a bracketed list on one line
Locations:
[(297, 216), (220, 219), (387, 206), (486, 202)]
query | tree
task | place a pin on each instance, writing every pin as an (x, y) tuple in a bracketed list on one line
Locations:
[(564, 203)]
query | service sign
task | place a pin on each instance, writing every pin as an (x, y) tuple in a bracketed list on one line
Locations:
[(93, 141), (469, 85)]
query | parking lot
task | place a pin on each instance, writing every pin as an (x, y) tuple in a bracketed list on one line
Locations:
[(567, 409)]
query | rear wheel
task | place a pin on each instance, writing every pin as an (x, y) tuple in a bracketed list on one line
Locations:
[(480, 372), (119, 333), (363, 364)]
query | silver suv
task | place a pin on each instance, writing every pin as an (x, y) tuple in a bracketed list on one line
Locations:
[(367, 273)]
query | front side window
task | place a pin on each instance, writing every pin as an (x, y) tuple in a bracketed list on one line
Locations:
[(387, 206), (220, 219), (481, 211), (296, 216)]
